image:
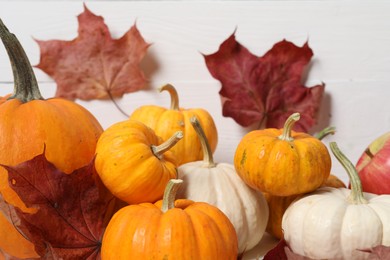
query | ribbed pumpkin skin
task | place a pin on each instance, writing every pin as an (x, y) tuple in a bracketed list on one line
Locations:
[(68, 131), (220, 186), (165, 122), (280, 167), (188, 231), (127, 166)]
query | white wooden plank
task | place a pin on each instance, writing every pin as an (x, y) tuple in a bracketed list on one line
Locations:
[(350, 41)]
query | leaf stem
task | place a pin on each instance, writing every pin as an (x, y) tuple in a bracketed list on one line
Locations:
[(174, 96), (207, 152), (116, 104), (168, 144), (288, 125), (356, 196), (25, 83), (170, 194)]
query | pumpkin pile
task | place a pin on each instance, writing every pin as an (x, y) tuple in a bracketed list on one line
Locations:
[(171, 199)]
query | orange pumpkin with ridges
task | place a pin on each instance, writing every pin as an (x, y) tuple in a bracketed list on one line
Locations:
[(170, 229), (165, 122), (28, 123), (282, 162)]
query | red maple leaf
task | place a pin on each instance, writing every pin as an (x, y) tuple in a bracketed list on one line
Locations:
[(268, 89), (93, 65), (72, 209)]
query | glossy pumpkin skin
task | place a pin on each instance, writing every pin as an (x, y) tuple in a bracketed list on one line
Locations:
[(127, 165), (279, 204), (29, 125), (196, 231), (165, 122), (282, 167)]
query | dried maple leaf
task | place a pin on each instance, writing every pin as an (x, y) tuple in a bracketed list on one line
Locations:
[(72, 209), (93, 65), (268, 89)]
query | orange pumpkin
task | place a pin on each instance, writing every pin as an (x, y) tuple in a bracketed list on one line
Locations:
[(27, 124), (165, 122), (170, 229), (282, 162), (134, 163), (278, 205)]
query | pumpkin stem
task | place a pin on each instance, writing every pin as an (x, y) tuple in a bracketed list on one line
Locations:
[(170, 194), (356, 196), (288, 125), (174, 96), (168, 144), (330, 130), (207, 153), (25, 85)]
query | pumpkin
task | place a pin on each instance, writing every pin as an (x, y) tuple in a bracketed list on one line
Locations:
[(219, 185), (169, 229), (134, 163), (165, 122), (28, 122), (337, 223), (282, 162), (279, 204)]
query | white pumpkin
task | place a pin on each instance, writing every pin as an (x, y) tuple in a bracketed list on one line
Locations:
[(335, 223), (218, 184)]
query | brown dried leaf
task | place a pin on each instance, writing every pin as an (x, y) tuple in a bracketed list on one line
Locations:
[(93, 65)]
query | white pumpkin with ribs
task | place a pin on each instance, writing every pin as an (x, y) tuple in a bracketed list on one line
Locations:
[(339, 223), (219, 184)]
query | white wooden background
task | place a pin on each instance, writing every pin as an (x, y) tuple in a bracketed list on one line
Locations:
[(350, 40)]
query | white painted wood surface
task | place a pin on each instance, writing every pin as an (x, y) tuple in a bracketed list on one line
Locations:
[(350, 40)]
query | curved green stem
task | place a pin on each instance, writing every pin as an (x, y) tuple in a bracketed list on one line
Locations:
[(168, 144), (170, 194), (207, 152), (174, 96), (25, 84), (356, 196), (330, 130), (288, 125)]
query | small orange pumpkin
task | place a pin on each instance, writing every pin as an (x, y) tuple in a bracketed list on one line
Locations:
[(279, 204), (134, 163), (170, 229), (27, 124), (165, 122), (282, 162)]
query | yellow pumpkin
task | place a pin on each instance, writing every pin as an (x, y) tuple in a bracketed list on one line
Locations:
[(134, 163), (282, 162), (170, 229), (165, 122)]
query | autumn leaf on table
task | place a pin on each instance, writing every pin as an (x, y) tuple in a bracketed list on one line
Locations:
[(72, 209), (94, 65), (265, 90)]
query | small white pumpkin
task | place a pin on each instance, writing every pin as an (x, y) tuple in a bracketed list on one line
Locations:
[(219, 184), (335, 223)]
